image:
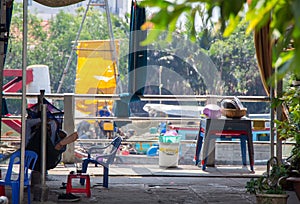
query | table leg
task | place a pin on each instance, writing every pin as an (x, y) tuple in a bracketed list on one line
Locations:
[(251, 152), (205, 153), (208, 152), (211, 152), (198, 149), (243, 149)]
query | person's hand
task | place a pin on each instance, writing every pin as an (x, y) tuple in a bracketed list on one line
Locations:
[(75, 135)]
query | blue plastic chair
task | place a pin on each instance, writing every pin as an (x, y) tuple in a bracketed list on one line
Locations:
[(14, 183), (105, 158)]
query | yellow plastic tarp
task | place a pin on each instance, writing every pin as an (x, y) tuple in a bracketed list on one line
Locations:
[(95, 74)]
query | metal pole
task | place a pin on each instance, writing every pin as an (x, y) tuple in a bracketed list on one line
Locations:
[(23, 132), (73, 48), (160, 84), (112, 40), (279, 113), (43, 143), (2, 52), (44, 187), (272, 125)]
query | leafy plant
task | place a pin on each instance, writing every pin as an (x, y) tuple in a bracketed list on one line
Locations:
[(284, 26), (290, 128), (269, 182)]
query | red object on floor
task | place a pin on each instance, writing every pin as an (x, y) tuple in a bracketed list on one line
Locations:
[(2, 188), (85, 189)]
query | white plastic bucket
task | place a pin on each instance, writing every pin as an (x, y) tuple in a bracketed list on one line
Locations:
[(41, 81), (168, 154)]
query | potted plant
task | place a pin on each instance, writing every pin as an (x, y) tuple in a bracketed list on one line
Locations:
[(289, 129), (267, 188)]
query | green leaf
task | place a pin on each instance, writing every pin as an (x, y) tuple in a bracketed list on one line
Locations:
[(193, 30), (257, 16), (161, 19), (152, 36), (233, 22), (155, 3)]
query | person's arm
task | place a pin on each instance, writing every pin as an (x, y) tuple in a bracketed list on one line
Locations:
[(67, 140)]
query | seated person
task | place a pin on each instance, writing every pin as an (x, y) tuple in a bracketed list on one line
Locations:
[(104, 112), (56, 142), (105, 133)]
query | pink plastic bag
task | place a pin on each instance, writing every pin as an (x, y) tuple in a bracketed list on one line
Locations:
[(212, 111)]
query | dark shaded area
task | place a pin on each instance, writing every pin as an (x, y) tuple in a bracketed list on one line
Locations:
[(179, 66), (53, 156), (137, 57), (136, 108)]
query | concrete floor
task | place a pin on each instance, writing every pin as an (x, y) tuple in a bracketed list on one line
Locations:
[(134, 184)]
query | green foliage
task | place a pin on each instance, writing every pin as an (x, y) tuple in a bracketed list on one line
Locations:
[(269, 182), (290, 128), (36, 35), (170, 12), (260, 186), (235, 59), (51, 44), (234, 56), (285, 24)]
